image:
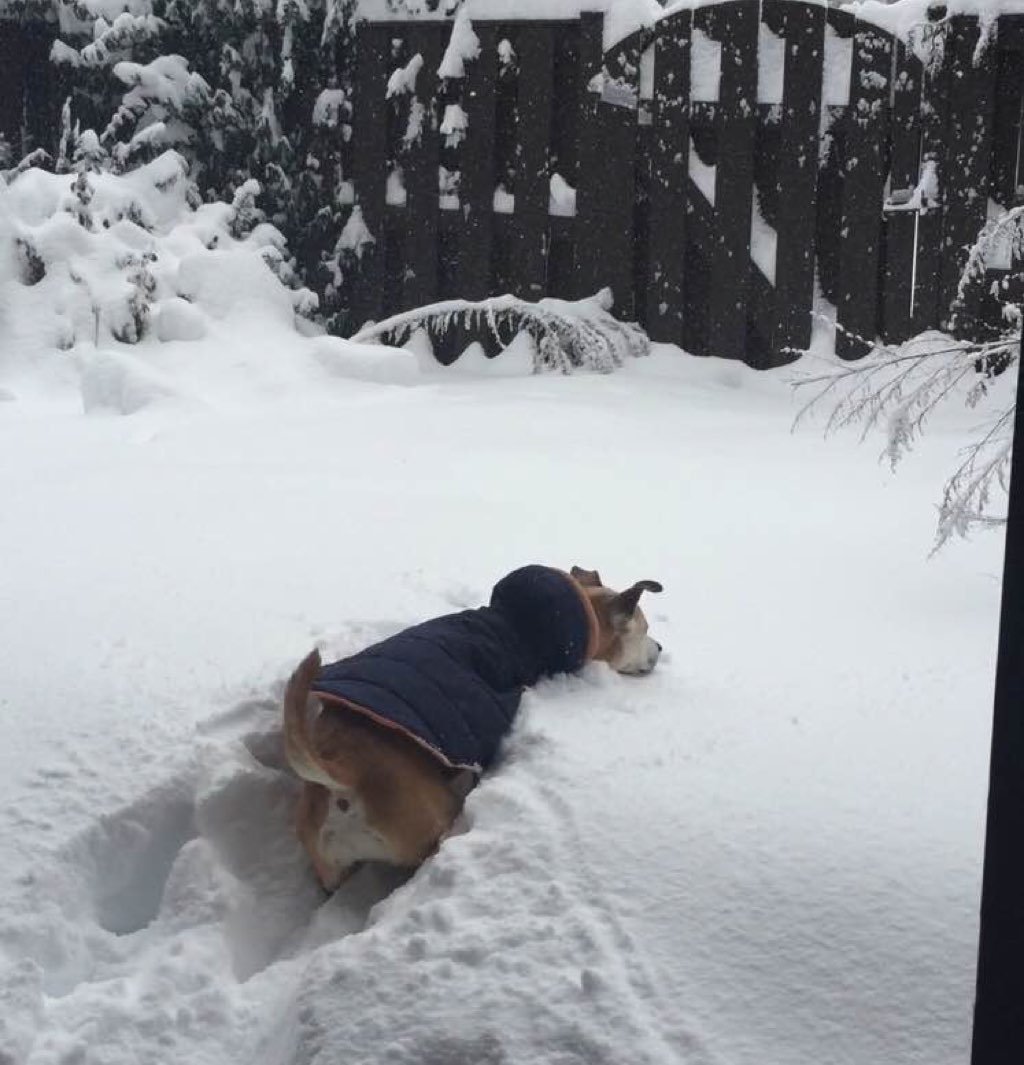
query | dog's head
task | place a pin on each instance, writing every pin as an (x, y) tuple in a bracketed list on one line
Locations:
[(623, 640)]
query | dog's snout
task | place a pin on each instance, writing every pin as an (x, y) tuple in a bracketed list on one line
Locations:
[(658, 645)]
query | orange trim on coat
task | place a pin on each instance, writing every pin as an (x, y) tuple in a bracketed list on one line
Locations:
[(594, 634), (356, 708)]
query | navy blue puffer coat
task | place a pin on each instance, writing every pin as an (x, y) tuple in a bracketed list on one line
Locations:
[(454, 683)]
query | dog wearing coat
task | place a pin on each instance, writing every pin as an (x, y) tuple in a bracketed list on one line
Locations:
[(388, 742)]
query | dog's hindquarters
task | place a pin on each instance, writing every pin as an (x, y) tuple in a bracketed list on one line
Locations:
[(369, 792)]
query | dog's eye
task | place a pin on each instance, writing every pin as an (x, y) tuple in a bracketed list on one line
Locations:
[(342, 804)]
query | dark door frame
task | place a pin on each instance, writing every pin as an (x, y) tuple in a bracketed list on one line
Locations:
[(999, 999)]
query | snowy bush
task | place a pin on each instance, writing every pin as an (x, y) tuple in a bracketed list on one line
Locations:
[(898, 388), (97, 257), (565, 335), (257, 90)]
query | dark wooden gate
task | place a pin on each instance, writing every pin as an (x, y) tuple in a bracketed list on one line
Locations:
[(722, 198), (30, 94)]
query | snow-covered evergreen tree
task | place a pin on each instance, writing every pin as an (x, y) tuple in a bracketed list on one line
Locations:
[(242, 89)]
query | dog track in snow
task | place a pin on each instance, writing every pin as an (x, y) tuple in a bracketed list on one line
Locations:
[(187, 926), (158, 932), (619, 943), (134, 860)]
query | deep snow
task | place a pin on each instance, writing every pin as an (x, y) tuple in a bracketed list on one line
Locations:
[(769, 851)]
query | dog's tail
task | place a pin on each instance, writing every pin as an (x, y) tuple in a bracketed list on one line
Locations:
[(297, 700)]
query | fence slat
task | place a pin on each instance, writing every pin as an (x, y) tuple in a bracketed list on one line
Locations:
[(1011, 33), (735, 27), (670, 148), (1006, 129), (900, 227), (863, 184), (935, 88), (43, 83), (476, 192), (535, 48), (606, 192), (369, 132), (803, 28), (12, 73), (968, 158), (421, 162)]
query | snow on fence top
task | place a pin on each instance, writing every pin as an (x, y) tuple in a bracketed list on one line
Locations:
[(621, 17), (903, 17)]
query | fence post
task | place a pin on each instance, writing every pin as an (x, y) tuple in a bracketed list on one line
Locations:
[(606, 190), (369, 135), (670, 149), (863, 181), (1006, 131), (998, 1011), (421, 161), (736, 27), (536, 47), (12, 73), (971, 72), (900, 228), (802, 27), (476, 192)]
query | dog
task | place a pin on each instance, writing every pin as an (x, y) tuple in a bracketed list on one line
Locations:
[(388, 742)]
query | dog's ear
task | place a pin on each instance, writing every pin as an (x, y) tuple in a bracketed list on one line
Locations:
[(624, 604), (589, 578)]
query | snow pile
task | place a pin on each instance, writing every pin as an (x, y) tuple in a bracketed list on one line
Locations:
[(97, 260), (116, 291)]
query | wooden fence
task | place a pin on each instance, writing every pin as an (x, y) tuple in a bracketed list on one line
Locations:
[(31, 89), (717, 171), (721, 172)]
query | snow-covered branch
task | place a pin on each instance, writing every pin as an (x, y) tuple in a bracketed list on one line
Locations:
[(898, 389), (566, 335)]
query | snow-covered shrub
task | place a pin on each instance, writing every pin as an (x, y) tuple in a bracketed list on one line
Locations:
[(566, 335), (98, 257), (254, 90)]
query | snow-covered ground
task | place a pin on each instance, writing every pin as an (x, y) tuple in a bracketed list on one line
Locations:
[(767, 852)]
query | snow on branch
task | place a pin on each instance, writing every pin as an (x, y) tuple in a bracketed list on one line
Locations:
[(111, 42), (566, 335), (160, 93), (966, 498), (898, 389), (1002, 237)]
